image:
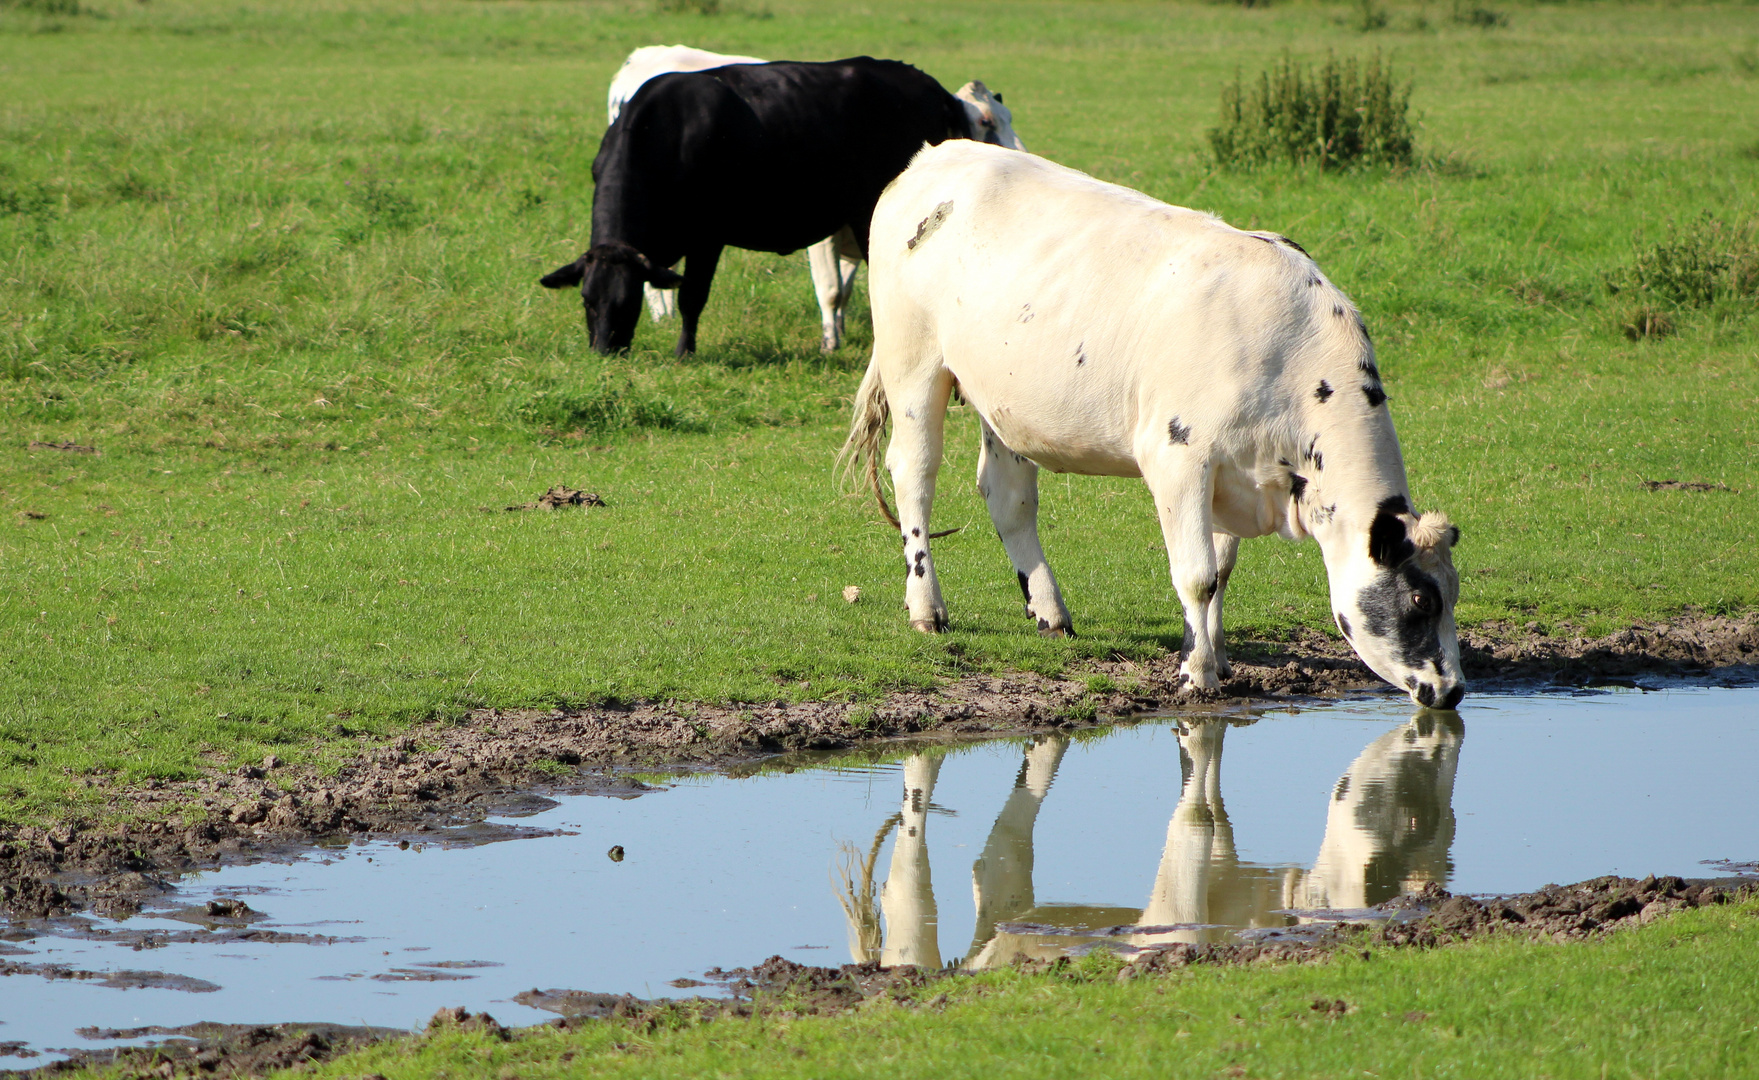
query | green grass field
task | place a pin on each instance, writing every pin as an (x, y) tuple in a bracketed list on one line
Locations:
[(278, 265), (1672, 1000)]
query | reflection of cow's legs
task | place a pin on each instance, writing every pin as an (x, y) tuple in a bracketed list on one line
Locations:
[(1009, 484), (1227, 550), (907, 898), (1001, 878), (1182, 486), (919, 410), (834, 261), (1198, 838), (662, 304)]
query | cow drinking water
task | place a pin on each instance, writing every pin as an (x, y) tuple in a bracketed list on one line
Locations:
[(767, 157), (1096, 330)]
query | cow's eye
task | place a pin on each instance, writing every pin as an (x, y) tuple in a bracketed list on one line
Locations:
[(1422, 602)]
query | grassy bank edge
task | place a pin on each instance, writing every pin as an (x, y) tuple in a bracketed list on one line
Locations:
[(1671, 998)]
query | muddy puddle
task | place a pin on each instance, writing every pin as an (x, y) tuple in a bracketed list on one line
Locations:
[(1250, 823)]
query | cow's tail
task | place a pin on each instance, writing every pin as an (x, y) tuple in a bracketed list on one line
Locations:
[(865, 431)]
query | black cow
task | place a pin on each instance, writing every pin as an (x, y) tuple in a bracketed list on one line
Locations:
[(768, 157)]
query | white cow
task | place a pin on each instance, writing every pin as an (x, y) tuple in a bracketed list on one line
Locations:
[(1096, 330), (833, 260)]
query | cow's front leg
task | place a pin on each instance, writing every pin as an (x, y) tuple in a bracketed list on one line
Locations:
[(1179, 477), (1227, 550), (699, 274), (914, 459), (834, 261), (1009, 484)]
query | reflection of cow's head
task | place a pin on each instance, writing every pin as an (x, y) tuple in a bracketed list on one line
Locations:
[(610, 276), (1394, 602), (991, 122)]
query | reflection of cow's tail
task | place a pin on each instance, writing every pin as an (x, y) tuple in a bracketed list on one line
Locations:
[(852, 879), (865, 430)]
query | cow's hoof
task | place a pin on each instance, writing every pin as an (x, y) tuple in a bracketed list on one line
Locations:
[(1056, 631), (1199, 680), (929, 626), (1224, 670)]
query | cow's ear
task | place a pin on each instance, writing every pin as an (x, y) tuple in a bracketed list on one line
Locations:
[(1388, 541), (563, 277), (662, 278)]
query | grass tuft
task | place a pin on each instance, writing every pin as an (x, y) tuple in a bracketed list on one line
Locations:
[(1641, 323), (1342, 115), (1697, 265), (1481, 17), (612, 404)]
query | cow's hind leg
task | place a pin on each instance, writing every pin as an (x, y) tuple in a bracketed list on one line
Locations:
[(662, 304), (1227, 550), (699, 274), (1009, 484), (834, 261), (1180, 481), (919, 409)]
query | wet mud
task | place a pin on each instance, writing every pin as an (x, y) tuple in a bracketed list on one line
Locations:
[(217, 1049), (495, 762), (782, 988)]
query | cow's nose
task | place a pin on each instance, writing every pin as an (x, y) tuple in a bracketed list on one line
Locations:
[(1452, 697), (1425, 695)]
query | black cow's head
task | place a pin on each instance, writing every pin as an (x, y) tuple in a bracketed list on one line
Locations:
[(610, 276)]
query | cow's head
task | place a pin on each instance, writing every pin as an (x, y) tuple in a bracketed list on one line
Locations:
[(1393, 597), (610, 276), (991, 122)]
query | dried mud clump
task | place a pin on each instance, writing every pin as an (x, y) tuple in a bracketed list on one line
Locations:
[(559, 496), (1558, 912)]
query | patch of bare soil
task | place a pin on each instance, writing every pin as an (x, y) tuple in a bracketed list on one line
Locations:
[(448, 775), (219, 1049), (780, 988), (559, 496)]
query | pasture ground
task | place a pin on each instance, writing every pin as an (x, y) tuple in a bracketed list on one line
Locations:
[(277, 267)]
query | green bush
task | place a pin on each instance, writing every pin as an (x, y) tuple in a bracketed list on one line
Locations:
[(1340, 116), (44, 7), (1695, 265)]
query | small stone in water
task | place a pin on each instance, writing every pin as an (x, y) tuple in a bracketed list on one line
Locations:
[(616, 853)]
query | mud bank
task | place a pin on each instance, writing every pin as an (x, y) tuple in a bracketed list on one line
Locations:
[(441, 776), (782, 988)]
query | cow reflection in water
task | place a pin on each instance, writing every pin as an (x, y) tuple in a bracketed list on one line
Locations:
[(1389, 826)]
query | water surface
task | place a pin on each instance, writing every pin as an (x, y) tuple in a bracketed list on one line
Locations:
[(1132, 836)]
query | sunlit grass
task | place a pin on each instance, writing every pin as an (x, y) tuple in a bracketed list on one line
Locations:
[(279, 267), (1671, 1000)]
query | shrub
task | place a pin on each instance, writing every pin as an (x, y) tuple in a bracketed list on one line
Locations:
[(1341, 116), (1695, 265), (44, 7)]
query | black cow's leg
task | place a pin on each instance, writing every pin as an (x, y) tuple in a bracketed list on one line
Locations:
[(699, 274)]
